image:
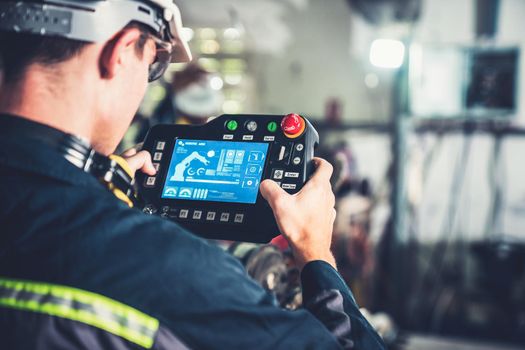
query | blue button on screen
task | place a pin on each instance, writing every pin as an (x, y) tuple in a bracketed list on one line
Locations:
[(216, 171)]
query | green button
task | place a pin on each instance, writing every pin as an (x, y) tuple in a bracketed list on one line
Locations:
[(272, 126), (232, 125)]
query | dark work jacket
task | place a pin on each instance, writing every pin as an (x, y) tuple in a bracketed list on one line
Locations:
[(81, 270)]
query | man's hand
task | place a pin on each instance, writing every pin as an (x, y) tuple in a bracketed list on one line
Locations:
[(139, 160), (306, 219)]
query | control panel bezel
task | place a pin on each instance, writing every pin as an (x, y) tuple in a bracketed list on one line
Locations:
[(232, 221)]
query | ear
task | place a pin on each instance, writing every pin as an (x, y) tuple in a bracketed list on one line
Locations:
[(119, 52)]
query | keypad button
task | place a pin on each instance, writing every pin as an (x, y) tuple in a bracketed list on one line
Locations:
[(156, 166), (278, 174), (149, 209), (239, 218), (297, 160), (272, 126), (150, 181), (281, 152), (289, 186), (232, 125), (183, 214), (211, 216), (251, 126), (157, 156), (161, 145), (225, 217), (299, 147), (197, 214)]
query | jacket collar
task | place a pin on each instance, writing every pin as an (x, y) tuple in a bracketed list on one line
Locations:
[(28, 146)]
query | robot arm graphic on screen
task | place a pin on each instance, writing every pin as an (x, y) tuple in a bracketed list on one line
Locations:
[(182, 166)]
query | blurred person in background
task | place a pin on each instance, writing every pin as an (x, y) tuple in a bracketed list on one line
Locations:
[(191, 99)]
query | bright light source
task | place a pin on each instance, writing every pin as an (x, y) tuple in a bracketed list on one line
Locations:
[(210, 47), (207, 33), (232, 34), (216, 83), (233, 79), (187, 34), (387, 53)]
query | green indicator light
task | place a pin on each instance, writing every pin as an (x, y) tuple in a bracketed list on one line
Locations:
[(232, 125), (272, 127)]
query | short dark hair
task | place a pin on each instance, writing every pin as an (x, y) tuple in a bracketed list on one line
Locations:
[(18, 51)]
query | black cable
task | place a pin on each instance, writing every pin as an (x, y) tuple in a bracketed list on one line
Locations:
[(453, 212), (437, 255), (428, 161), (494, 219)]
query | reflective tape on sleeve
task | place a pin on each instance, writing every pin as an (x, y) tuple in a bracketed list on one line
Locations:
[(81, 306)]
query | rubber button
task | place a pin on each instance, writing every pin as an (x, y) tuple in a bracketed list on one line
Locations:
[(232, 125), (293, 125), (272, 126), (251, 126)]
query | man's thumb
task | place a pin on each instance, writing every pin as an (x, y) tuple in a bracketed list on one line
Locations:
[(141, 161), (272, 192)]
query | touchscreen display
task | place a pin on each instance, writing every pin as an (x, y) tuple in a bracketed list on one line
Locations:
[(218, 171)]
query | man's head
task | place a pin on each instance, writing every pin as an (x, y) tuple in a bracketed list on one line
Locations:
[(109, 62)]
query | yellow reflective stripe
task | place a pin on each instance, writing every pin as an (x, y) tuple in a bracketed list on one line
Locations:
[(78, 305)]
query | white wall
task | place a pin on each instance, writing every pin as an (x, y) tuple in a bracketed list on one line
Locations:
[(454, 21), (446, 21), (317, 66), (512, 32), (324, 50)]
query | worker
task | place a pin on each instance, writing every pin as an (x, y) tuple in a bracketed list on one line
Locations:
[(80, 268), (191, 99)]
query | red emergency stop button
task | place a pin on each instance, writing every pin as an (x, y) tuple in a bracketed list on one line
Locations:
[(293, 125)]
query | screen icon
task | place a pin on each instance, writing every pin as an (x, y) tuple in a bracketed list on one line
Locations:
[(250, 182), (256, 157), (185, 192), (253, 169), (170, 192), (200, 193)]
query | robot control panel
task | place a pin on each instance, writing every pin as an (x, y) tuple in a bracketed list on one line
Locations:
[(208, 176)]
